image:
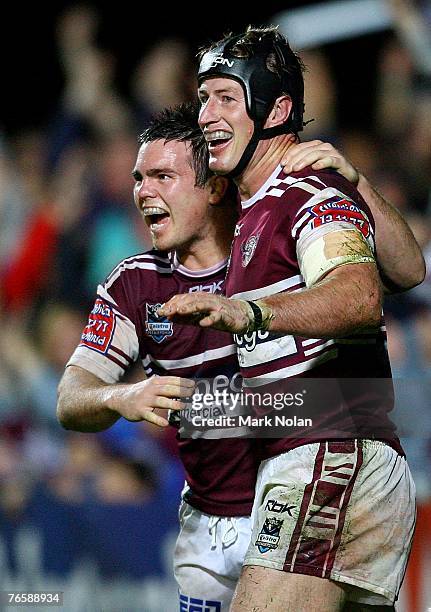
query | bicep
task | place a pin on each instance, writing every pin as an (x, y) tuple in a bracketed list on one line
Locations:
[(328, 249), (75, 377)]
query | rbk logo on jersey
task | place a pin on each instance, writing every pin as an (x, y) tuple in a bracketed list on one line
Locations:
[(269, 537), (98, 332), (340, 209), (159, 328), (215, 287), (248, 248)]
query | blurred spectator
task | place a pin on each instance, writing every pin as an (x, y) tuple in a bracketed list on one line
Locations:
[(320, 96), (118, 230), (164, 77), (37, 359), (91, 106)]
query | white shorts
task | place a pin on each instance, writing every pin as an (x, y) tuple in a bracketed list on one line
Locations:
[(340, 510), (208, 558)]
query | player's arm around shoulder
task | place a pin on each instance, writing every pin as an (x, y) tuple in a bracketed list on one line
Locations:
[(87, 403), (400, 259)]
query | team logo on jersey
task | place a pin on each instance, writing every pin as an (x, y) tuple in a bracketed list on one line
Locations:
[(98, 332), (269, 537), (159, 328), (248, 248), (340, 209)]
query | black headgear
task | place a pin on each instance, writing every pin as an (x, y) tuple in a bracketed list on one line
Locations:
[(261, 86)]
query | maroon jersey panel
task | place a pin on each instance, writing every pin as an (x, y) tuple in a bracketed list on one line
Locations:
[(124, 327), (264, 261)]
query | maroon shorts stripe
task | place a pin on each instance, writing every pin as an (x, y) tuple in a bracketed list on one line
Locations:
[(330, 468), (345, 502), (322, 514), (308, 491), (340, 475), (320, 525)]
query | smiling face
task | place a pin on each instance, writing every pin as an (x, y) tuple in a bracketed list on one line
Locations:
[(175, 210), (225, 123)]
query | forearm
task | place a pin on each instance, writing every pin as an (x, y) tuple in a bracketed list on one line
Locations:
[(399, 256), (85, 403), (345, 302)]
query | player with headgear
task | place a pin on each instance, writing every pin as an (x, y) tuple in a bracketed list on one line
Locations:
[(261, 86), (304, 299)]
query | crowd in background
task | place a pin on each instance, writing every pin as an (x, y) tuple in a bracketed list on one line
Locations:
[(67, 218)]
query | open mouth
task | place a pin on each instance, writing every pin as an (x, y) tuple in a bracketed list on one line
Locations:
[(217, 140), (156, 218)]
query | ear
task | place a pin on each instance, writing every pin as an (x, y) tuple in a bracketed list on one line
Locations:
[(217, 186), (280, 111)]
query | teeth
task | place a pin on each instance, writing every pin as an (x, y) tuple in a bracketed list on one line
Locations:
[(218, 135), (153, 211)]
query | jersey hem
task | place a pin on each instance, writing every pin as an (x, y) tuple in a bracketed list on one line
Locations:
[(220, 509)]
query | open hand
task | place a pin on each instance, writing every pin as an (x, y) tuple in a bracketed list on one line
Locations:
[(318, 155), (139, 400), (208, 310)]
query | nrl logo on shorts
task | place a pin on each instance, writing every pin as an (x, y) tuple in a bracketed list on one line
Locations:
[(269, 537), (159, 328), (248, 248)]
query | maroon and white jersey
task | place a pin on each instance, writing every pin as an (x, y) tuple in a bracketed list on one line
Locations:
[(123, 327), (286, 213)]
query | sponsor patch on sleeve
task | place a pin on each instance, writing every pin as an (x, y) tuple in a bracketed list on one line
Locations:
[(98, 332), (338, 209)]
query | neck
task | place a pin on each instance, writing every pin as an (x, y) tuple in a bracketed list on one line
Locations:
[(213, 248), (266, 158)]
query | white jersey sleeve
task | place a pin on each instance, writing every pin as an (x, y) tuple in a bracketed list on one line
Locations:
[(109, 343)]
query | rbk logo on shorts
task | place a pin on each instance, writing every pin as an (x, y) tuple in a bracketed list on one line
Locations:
[(193, 604), (98, 332), (159, 328), (269, 537), (275, 506)]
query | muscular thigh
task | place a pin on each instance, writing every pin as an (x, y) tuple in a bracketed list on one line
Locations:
[(266, 589), (336, 512)]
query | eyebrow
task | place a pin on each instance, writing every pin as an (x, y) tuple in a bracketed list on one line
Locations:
[(153, 172), (202, 89)]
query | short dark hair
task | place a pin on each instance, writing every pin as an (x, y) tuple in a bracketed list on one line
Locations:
[(181, 123)]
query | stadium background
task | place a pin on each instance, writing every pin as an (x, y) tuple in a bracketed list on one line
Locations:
[(95, 515)]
